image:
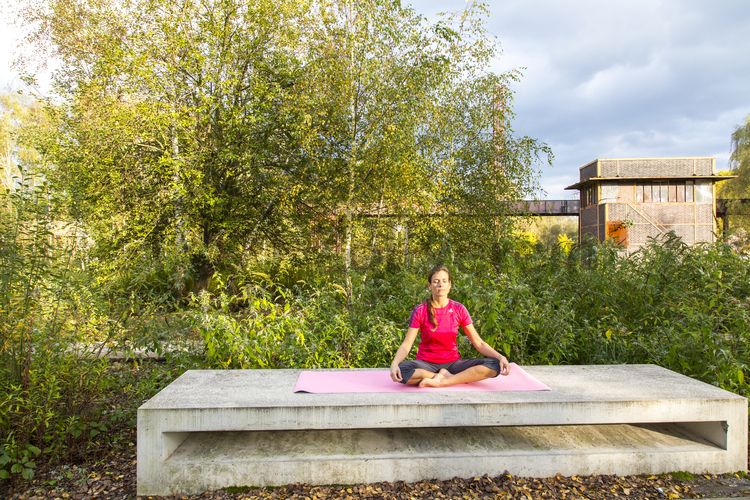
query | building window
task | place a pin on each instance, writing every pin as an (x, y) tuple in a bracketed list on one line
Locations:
[(588, 196), (664, 192), (703, 193)]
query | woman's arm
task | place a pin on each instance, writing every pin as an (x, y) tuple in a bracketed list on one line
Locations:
[(484, 348), (403, 351)]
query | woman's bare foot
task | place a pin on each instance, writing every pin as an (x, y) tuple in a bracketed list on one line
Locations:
[(437, 380), (431, 382)]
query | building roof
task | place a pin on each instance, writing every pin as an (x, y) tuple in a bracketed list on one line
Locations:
[(648, 158), (592, 180)]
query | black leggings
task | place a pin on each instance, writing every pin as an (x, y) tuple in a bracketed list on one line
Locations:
[(408, 367)]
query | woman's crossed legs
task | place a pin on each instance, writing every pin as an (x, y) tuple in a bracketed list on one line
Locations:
[(462, 371)]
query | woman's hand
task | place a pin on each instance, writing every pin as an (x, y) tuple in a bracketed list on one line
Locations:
[(396, 373), (504, 365), (403, 351)]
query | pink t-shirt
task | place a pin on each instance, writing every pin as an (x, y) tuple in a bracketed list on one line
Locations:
[(438, 345)]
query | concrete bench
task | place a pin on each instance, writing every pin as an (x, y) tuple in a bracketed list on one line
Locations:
[(213, 429)]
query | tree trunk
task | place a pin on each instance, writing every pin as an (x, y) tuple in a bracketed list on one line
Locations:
[(203, 269), (180, 223), (352, 163), (348, 240), (406, 246)]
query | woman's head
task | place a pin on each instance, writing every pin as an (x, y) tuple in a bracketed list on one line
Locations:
[(439, 281), (436, 270)]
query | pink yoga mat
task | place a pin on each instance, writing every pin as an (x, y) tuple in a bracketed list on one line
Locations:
[(343, 381)]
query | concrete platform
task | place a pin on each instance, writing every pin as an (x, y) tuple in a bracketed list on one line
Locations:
[(213, 429)]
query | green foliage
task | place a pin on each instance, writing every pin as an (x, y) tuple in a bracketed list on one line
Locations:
[(550, 230), (739, 188), (684, 308), (740, 161), (49, 393), (263, 185), (18, 460), (51, 388), (264, 326), (218, 130), (682, 475)]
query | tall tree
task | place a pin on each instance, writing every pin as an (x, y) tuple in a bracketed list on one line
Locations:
[(377, 69), (179, 123), (739, 188), (740, 162), (413, 110), (19, 159), (209, 128)]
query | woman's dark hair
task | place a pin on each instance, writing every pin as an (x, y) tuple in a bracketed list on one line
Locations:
[(428, 302)]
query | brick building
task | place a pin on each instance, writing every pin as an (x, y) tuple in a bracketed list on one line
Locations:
[(633, 199)]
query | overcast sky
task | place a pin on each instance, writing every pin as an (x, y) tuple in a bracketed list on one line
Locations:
[(623, 78), (609, 79)]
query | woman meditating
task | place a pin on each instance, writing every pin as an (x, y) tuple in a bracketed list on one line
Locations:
[(438, 362)]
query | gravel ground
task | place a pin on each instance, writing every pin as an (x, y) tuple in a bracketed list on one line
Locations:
[(114, 476)]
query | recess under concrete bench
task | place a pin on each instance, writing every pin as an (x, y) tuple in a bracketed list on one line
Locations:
[(213, 429)]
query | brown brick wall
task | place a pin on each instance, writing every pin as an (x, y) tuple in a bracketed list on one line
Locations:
[(588, 221), (704, 213), (705, 233), (588, 216), (588, 171), (639, 234), (655, 167), (649, 220), (693, 221)]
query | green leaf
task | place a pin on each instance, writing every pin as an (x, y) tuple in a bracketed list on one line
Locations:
[(506, 349)]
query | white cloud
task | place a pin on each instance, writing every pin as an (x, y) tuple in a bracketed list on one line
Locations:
[(626, 77), (623, 81), (607, 78)]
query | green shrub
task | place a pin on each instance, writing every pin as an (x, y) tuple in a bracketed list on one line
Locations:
[(685, 308), (281, 329), (51, 390), (17, 460)]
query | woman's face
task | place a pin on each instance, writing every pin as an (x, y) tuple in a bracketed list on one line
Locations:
[(440, 284)]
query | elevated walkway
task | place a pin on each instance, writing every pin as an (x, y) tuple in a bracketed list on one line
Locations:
[(213, 429), (545, 208), (557, 208), (514, 207)]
